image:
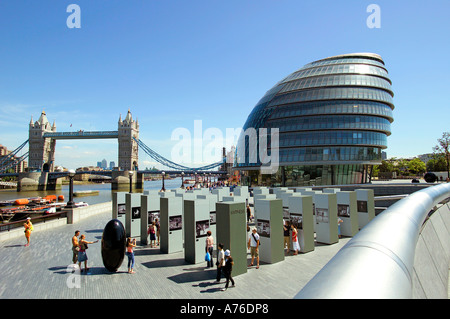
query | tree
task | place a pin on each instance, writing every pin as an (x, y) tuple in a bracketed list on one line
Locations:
[(416, 166), (401, 167), (385, 167), (437, 163), (443, 148)]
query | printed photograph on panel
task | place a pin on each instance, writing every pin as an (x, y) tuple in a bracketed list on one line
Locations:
[(322, 215), (343, 210), (175, 223), (201, 227), (263, 228)]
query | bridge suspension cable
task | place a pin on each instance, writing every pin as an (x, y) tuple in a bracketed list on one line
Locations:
[(11, 155), (13, 162), (168, 163)]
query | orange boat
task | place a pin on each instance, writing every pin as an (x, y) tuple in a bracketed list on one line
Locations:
[(61, 198), (21, 201), (50, 198)]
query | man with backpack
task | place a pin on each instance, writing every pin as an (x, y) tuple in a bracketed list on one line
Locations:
[(253, 245)]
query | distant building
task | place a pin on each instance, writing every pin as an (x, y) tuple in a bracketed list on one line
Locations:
[(425, 157), (112, 164)]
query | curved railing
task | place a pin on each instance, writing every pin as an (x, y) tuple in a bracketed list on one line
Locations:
[(378, 262)]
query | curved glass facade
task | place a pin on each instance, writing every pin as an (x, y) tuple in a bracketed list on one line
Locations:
[(333, 117)]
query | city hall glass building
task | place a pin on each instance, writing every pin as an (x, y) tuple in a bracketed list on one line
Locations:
[(333, 117)]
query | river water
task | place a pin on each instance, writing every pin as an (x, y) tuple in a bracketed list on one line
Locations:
[(105, 192)]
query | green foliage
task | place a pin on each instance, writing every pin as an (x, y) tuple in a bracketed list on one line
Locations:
[(416, 166), (443, 149)]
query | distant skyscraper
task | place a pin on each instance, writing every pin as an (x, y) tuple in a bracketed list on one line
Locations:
[(104, 164), (112, 165)]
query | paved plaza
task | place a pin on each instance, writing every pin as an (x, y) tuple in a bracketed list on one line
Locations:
[(43, 270)]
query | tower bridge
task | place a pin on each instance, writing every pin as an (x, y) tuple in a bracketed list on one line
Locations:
[(41, 156)]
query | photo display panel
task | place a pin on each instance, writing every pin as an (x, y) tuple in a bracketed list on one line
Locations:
[(263, 228), (362, 206), (175, 222), (153, 215), (343, 210), (121, 209), (296, 220), (212, 218), (201, 227), (322, 215), (136, 212)]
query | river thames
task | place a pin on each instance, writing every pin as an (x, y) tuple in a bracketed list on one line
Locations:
[(105, 192)]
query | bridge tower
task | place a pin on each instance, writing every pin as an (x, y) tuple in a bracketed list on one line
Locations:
[(41, 150), (128, 147)]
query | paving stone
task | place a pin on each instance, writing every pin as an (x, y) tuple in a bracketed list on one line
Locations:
[(43, 270)]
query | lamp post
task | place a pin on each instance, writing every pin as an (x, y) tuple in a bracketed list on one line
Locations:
[(70, 203), (130, 174), (182, 180), (163, 189)]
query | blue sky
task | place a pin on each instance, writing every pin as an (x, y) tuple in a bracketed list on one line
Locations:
[(175, 61)]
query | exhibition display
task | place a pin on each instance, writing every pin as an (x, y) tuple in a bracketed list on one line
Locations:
[(149, 212), (301, 216), (171, 224), (118, 206), (366, 206), (212, 212), (326, 218), (285, 195), (260, 190), (264, 196), (220, 192), (234, 199), (133, 214), (196, 224), (233, 233), (347, 212), (313, 194), (331, 190), (269, 224)]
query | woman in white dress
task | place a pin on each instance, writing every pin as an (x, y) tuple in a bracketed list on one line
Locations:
[(295, 243)]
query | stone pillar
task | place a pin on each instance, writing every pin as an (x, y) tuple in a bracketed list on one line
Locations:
[(121, 181)]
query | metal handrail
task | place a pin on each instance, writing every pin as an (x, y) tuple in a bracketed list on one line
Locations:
[(378, 262)]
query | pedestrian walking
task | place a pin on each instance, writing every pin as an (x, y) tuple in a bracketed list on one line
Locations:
[(75, 247), (220, 262), (82, 256), (152, 232), (158, 226), (339, 222), (131, 243), (287, 237), (28, 229), (253, 245), (249, 214), (295, 243), (227, 269), (210, 248)]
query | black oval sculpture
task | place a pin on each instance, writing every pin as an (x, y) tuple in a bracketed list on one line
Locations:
[(430, 177), (113, 245)]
